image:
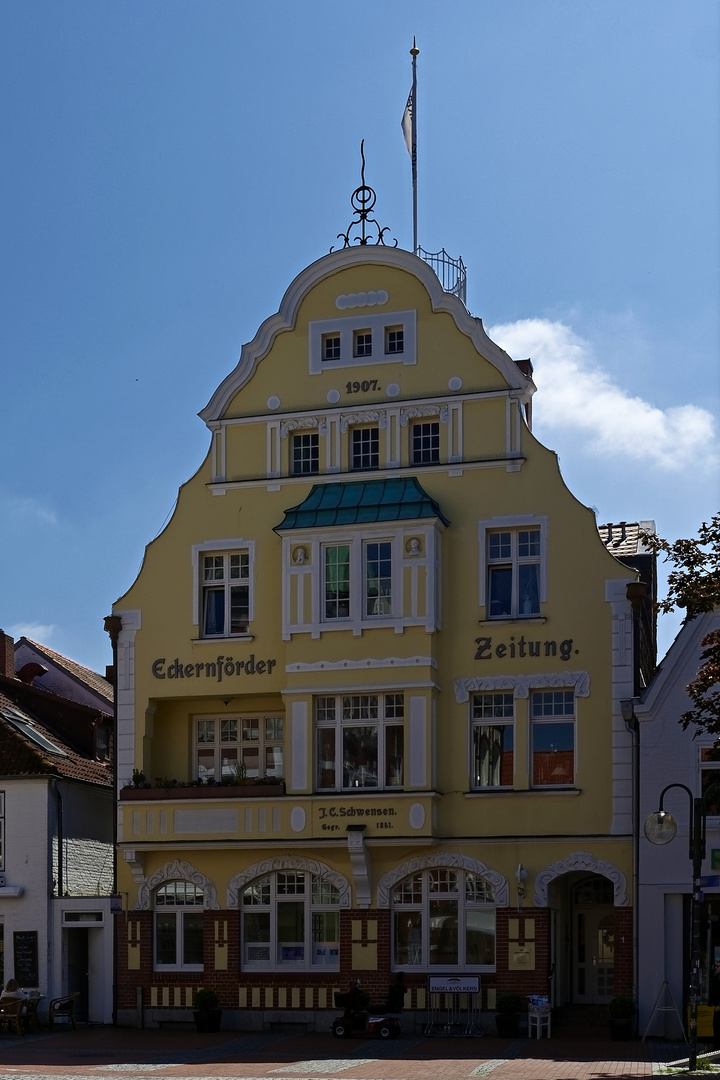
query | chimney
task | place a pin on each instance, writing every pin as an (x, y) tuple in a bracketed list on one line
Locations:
[(527, 369), (7, 655)]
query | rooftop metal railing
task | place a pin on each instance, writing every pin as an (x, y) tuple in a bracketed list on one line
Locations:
[(451, 272)]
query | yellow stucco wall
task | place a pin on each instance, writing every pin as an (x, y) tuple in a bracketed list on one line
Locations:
[(494, 826)]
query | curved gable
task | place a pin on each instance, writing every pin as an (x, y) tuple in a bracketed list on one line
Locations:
[(285, 319)]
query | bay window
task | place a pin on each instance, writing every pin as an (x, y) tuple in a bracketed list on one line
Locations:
[(336, 585)]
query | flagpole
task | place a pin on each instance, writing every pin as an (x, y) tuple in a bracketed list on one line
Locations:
[(414, 53)]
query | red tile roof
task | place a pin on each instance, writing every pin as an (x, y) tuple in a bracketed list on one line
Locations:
[(20, 754), (83, 674)]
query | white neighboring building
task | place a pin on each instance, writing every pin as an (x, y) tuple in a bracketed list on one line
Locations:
[(56, 843), (669, 755)]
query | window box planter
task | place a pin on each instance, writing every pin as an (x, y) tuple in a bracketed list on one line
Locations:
[(236, 791)]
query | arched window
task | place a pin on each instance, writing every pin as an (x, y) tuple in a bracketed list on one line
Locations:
[(179, 927), (443, 918), (290, 920)]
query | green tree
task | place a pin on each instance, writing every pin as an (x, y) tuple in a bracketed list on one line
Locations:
[(694, 584)]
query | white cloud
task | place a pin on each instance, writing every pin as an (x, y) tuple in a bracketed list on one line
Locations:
[(17, 507), (575, 393), (36, 631)]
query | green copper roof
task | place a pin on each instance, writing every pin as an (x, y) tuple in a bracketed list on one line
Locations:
[(398, 499)]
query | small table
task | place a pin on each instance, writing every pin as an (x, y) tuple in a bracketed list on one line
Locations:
[(539, 1018), (29, 1016)]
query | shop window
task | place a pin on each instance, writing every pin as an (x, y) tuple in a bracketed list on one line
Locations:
[(225, 593), (178, 927), (290, 921), (425, 436), (552, 721), (305, 454), (492, 719), (360, 741), (443, 920), (233, 748), (710, 779), (513, 566), (365, 448)]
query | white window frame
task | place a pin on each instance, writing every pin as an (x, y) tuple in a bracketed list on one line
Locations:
[(180, 910), (355, 453), (346, 327), (266, 952), (350, 712), (516, 523), (408, 901), (311, 439), (552, 701), (417, 458), (489, 709), (233, 546), (362, 343), (241, 724)]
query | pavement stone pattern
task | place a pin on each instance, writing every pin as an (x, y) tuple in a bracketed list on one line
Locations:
[(104, 1052)]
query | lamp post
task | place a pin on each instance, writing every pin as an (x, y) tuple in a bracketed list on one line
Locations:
[(661, 828)]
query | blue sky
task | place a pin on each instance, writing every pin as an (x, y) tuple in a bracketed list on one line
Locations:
[(170, 166)]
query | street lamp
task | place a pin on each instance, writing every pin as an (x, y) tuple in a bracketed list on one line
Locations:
[(661, 828)]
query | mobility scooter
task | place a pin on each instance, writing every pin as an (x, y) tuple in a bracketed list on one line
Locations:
[(362, 1019)]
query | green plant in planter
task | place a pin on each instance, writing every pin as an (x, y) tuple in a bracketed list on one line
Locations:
[(508, 1007), (509, 1002), (206, 1000), (622, 1008)]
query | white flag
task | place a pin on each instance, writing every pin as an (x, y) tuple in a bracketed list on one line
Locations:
[(406, 123)]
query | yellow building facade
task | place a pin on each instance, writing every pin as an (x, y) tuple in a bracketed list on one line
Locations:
[(369, 681)]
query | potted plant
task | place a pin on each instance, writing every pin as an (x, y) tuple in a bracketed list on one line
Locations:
[(508, 1007), (207, 1012), (622, 1011)]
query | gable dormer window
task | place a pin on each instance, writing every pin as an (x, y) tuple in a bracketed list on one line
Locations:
[(330, 347), (386, 338), (362, 343), (394, 340)]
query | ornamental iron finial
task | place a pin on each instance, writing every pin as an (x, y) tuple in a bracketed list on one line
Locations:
[(362, 201)]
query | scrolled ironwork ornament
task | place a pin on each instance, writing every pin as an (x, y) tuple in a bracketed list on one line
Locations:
[(362, 201)]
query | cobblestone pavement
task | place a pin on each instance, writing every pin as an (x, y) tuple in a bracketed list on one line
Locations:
[(105, 1052)]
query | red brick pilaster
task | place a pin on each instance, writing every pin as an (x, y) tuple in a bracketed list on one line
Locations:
[(624, 974), (520, 931)]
